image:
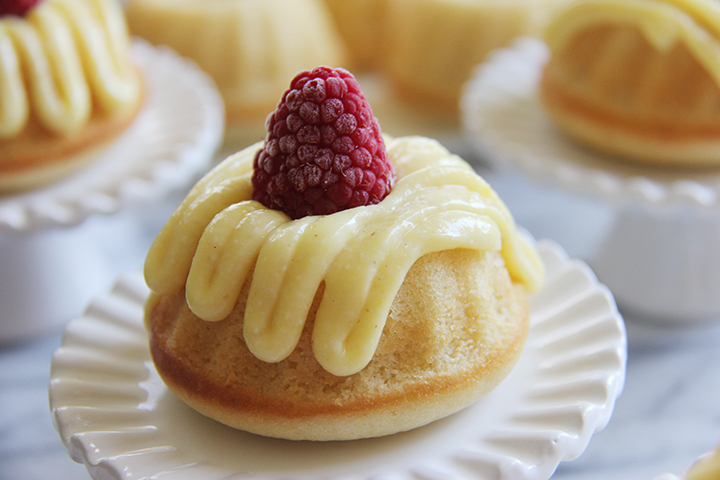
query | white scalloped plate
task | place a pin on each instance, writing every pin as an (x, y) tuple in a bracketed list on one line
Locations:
[(173, 138), (504, 118), (115, 415)]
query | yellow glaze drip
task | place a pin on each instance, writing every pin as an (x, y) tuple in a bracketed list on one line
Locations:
[(59, 60), (695, 23), (218, 235)]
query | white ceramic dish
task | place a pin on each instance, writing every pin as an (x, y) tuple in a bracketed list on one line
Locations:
[(173, 138), (660, 258), (53, 257), (115, 415)]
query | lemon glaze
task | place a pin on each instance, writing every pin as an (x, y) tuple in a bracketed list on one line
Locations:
[(664, 23), (59, 60), (218, 235)]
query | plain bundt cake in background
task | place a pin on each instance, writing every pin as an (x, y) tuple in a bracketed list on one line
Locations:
[(433, 45), (362, 24), (249, 47)]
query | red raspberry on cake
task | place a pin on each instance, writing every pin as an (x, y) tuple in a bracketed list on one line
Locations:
[(17, 8), (323, 152)]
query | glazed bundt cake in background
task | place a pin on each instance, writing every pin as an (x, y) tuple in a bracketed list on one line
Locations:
[(68, 85), (637, 78)]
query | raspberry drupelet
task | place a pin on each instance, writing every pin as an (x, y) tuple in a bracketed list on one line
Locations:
[(323, 152), (17, 8)]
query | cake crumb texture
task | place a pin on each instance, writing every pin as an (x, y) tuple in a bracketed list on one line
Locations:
[(457, 323)]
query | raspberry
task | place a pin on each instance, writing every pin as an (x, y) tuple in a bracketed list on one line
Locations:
[(16, 7), (323, 152)]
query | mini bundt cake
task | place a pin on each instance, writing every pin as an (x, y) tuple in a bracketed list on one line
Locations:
[(433, 45), (638, 78), (330, 284), (68, 85), (249, 47)]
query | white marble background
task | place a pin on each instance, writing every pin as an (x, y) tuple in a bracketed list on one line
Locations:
[(668, 414)]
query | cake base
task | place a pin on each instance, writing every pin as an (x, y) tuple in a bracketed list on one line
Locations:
[(37, 157), (652, 144), (456, 328)]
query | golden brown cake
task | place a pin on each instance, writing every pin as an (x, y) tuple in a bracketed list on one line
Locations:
[(367, 320), (249, 47), (67, 87), (433, 45), (638, 78)]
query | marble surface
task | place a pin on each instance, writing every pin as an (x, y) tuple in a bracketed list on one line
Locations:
[(668, 415)]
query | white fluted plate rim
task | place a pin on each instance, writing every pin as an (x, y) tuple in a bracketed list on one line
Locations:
[(173, 139), (115, 415), (504, 119)]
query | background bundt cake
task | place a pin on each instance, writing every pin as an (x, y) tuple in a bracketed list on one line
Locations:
[(68, 86)]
